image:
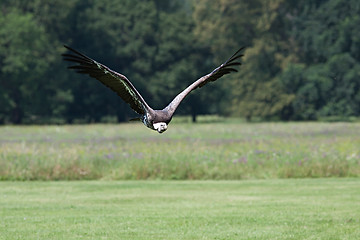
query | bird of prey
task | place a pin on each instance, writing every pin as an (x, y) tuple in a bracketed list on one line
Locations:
[(157, 120)]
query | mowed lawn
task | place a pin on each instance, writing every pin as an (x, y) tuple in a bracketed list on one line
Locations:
[(247, 209)]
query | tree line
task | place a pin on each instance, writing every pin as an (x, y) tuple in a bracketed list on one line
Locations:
[(301, 61)]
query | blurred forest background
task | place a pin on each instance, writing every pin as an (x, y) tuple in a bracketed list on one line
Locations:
[(302, 60)]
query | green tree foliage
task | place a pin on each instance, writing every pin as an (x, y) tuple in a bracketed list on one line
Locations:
[(257, 91), (151, 42), (303, 63), (302, 60), (23, 58), (33, 33), (328, 39), (152, 47), (225, 26)]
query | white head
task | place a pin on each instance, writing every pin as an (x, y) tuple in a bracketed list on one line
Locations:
[(160, 127)]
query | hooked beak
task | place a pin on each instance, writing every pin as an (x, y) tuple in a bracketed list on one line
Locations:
[(160, 127)]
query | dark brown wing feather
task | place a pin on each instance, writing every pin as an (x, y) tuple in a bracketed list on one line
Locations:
[(225, 68), (115, 81)]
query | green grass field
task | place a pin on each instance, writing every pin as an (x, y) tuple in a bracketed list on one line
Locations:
[(299, 181), (186, 151), (250, 209)]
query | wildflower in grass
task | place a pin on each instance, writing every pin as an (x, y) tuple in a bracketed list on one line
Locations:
[(241, 160), (109, 156), (351, 156), (139, 155), (302, 161), (259, 152), (82, 154)]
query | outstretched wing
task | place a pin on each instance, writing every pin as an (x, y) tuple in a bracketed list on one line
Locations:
[(225, 68), (115, 81)]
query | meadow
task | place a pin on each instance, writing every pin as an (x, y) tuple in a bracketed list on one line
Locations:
[(217, 150)]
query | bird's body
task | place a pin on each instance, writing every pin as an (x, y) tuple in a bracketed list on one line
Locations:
[(154, 119)]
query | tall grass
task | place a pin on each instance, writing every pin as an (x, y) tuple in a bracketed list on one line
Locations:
[(185, 151)]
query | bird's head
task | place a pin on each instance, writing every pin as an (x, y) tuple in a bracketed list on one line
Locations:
[(160, 127)]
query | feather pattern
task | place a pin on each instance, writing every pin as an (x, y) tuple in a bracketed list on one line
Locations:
[(225, 68), (115, 81)]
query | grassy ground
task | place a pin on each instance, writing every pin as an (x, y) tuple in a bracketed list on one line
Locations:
[(264, 207), (185, 151), (250, 209)]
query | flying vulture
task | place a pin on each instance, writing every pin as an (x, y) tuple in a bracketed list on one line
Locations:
[(157, 120)]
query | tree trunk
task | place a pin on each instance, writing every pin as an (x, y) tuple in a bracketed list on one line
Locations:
[(193, 117), (17, 115)]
